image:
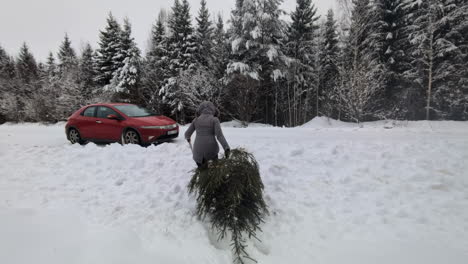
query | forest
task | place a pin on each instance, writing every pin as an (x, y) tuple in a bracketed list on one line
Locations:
[(377, 59)]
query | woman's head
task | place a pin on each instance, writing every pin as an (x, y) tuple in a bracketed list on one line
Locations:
[(207, 108)]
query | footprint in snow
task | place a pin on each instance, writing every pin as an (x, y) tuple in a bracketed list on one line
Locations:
[(177, 189), (297, 152), (119, 182)]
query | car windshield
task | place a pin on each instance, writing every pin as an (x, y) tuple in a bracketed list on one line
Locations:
[(134, 111)]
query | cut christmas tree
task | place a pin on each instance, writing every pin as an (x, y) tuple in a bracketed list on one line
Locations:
[(230, 193)]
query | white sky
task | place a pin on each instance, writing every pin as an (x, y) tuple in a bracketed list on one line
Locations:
[(43, 23)]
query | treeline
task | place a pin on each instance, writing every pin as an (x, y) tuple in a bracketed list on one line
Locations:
[(398, 59)]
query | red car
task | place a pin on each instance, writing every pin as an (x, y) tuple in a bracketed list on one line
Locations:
[(124, 123)]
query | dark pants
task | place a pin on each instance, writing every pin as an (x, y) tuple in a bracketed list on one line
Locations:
[(204, 164)]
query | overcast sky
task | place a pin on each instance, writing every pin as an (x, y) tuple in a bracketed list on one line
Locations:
[(43, 23)]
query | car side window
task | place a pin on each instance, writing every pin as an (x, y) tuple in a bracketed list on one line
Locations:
[(89, 112), (103, 112)]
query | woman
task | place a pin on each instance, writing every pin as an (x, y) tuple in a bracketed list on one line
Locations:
[(208, 129)]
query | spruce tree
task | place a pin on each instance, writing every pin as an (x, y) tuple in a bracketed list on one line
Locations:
[(87, 73), (329, 61), (8, 87), (181, 40), (51, 66), (257, 62), (26, 66), (156, 65), (67, 56), (28, 81), (388, 46), (300, 45), (220, 49), (127, 75), (362, 75), (181, 48), (438, 51), (108, 60), (7, 66), (204, 36)]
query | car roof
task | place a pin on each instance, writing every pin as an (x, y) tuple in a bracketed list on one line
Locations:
[(108, 104)]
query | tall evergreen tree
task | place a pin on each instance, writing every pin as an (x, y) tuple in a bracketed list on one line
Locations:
[(87, 72), (7, 66), (181, 50), (361, 85), (127, 75), (181, 40), (204, 36), (28, 77), (301, 36), (388, 44), (108, 60), (220, 49), (26, 66), (257, 61), (67, 56), (51, 65), (329, 60), (439, 49), (156, 65), (8, 87)]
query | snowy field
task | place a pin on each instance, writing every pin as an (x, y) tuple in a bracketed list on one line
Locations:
[(337, 193)]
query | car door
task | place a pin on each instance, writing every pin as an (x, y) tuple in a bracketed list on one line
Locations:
[(107, 129), (87, 122)]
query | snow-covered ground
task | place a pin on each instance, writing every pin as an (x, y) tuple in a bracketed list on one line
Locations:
[(338, 194)]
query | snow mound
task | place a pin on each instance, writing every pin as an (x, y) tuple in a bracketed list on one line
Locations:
[(240, 124), (416, 126), (325, 122)]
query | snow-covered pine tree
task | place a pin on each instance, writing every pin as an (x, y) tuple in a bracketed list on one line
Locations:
[(109, 48), (87, 73), (257, 61), (6, 63), (70, 94), (67, 57), (28, 82), (50, 91), (26, 66), (220, 49), (127, 76), (51, 66), (7, 87), (7, 70), (181, 50), (438, 51), (181, 39), (388, 45), (156, 65), (204, 36), (329, 71), (300, 45), (361, 84)]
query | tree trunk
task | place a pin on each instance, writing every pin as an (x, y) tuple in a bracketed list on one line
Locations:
[(431, 65)]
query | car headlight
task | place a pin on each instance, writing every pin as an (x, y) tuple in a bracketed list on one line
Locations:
[(160, 127)]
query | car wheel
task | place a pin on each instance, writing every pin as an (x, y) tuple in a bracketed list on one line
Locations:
[(74, 136), (131, 137)]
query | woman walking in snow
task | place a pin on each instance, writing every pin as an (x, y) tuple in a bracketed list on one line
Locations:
[(208, 129)]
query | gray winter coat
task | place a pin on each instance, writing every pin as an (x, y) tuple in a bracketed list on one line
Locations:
[(208, 129)]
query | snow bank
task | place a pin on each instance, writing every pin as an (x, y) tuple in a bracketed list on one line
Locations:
[(240, 124), (417, 126), (335, 195), (325, 122)]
